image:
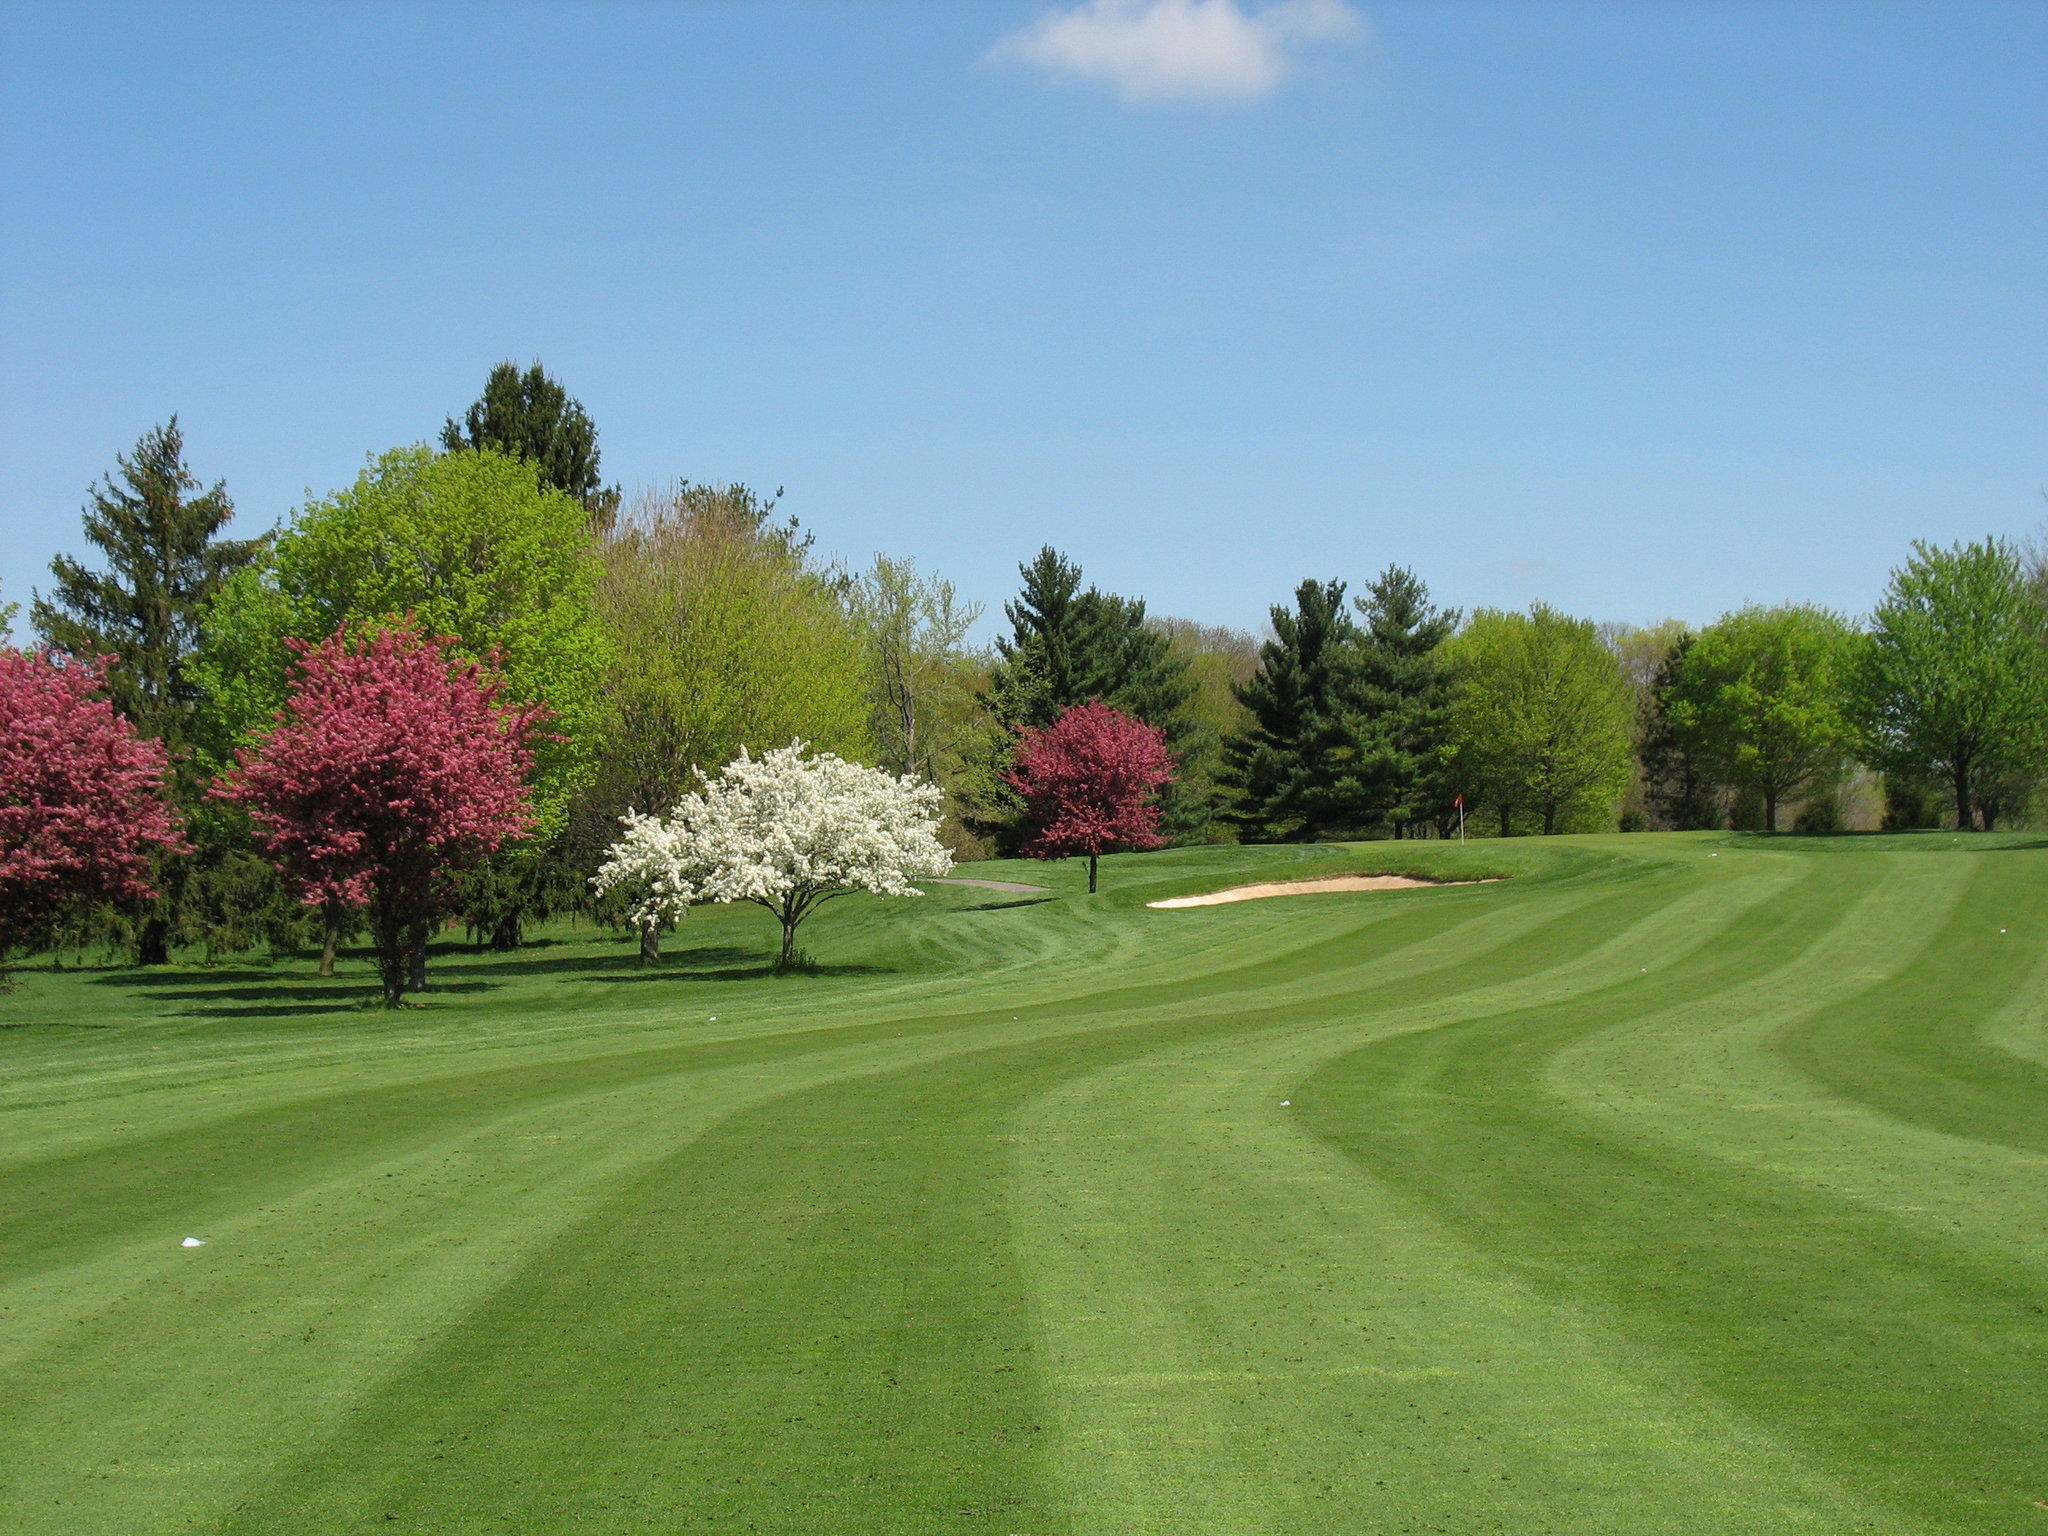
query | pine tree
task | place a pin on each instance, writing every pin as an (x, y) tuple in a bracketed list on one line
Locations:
[(1070, 645), (1057, 640), (1290, 771), (1402, 702), (530, 416), (163, 563)]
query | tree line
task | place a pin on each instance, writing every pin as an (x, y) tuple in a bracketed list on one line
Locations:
[(677, 628)]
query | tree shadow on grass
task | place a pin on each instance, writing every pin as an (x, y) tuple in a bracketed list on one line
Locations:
[(570, 967), (1003, 906), (366, 1003), (159, 975), (665, 970)]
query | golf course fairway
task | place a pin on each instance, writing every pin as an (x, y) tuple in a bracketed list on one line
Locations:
[(1691, 1184)]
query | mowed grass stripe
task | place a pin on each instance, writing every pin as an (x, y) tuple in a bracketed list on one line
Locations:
[(1917, 1048), (1913, 1367), (996, 1224), (1254, 1340), (797, 1484)]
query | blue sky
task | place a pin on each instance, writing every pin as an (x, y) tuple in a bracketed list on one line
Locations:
[(1644, 309)]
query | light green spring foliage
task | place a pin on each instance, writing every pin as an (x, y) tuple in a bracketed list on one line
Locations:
[(1954, 680), (1218, 660), (1762, 699), (727, 635), (473, 546), (922, 675), (1541, 720)]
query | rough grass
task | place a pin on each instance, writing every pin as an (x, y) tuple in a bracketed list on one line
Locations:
[(1676, 1185)]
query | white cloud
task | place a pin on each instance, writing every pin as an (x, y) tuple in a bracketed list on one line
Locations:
[(1206, 50)]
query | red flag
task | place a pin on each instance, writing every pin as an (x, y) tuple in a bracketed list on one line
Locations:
[(1459, 803)]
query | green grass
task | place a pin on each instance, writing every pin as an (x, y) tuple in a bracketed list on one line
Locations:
[(1676, 1185)]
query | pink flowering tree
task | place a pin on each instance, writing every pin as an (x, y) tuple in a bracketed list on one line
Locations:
[(82, 807), (393, 763), (1091, 783)]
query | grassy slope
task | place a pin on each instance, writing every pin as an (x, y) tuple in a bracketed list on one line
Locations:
[(1678, 1185)]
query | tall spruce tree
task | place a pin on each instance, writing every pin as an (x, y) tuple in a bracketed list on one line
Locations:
[(157, 532), (1402, 702), (1057, 640), (530, 416), (1070, 644), (1292, 773)]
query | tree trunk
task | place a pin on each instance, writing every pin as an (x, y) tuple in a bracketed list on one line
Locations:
[(1505, 826), (153, 943), (650, 943), (1960, 777), (509, 932), (789, 922), (1092, 860), (330, 936), (1550, 820), (391, 954), (416, 956), (1771, 811)]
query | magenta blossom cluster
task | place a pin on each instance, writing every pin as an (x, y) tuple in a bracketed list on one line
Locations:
[(392, 761), (1090, 782), (82, 807)]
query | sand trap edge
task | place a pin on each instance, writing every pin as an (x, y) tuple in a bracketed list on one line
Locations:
[(1332, 884)]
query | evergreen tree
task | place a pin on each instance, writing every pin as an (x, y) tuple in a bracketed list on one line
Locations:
[(1069, 645), (1290, 773), (1402, 702), (1138, 671), (163, 564), (530, 416), (1058, 640)]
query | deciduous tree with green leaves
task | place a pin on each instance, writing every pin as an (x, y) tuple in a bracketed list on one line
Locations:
[(727, 635), (1763, 695), (916, 628), (1953, 681), (472, 545), (1540, 718)]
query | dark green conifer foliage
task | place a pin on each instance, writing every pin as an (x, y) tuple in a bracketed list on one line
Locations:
[(1291, 773), (1402, 703), (530, 416), (1057, 641), (162, 564), (1069, 644)]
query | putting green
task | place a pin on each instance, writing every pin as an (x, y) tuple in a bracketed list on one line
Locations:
[(1678, 1184)]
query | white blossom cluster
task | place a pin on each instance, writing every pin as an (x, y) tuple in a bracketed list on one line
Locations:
[(785, 830)]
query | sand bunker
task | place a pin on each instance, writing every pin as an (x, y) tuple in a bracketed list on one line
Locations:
[(1309, 888)]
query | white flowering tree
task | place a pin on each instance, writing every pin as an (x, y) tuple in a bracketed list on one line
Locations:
[(648, 864), (786, 831)]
